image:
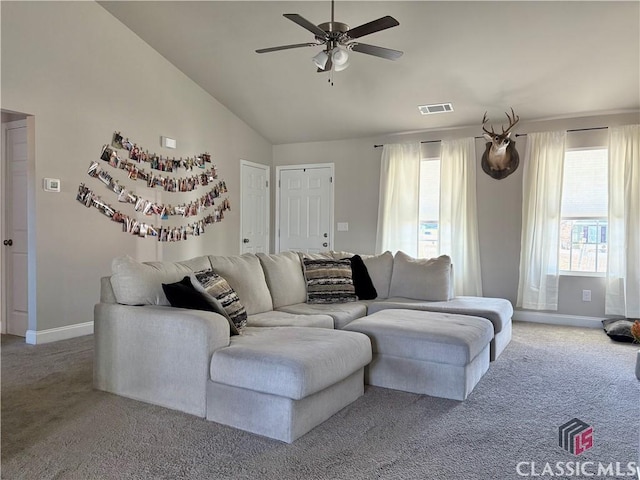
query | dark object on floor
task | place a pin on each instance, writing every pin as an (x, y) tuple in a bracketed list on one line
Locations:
[(618, 329)]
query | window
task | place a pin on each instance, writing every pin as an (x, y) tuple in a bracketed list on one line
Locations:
[(429, 211), (583, 223)]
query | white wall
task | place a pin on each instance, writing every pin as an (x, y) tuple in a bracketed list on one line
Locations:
[(499, 201), (81, 75)]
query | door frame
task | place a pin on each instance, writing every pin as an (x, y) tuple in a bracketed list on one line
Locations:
[(279, 169), (267, 170)]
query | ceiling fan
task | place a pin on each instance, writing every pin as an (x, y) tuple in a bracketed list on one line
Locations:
[(338, 39)]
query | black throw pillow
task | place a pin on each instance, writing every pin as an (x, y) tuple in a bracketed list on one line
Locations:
[(618, 329), (183, 294), (361, 279)]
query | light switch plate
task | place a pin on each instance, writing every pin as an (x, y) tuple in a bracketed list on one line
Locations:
[(343, 226)]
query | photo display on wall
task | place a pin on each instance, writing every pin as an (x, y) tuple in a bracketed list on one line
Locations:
[(169, 175)]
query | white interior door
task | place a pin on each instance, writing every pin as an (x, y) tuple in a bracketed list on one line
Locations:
[(14, 248), (254, 208), (305, 208)]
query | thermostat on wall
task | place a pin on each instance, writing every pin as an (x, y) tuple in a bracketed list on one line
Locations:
[(52, 185)]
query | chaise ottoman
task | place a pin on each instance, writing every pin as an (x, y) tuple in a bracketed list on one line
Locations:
[(281, 382), (432, 353)]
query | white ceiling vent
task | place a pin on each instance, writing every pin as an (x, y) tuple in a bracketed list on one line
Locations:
[(435, 108)]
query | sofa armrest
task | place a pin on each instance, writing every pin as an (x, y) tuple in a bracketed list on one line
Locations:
[(156, 354)]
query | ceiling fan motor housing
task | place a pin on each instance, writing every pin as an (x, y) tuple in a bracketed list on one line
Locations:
[(335, 32)]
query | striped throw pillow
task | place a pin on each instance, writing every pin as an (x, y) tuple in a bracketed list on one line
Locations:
[(329, 281), (219, 288)]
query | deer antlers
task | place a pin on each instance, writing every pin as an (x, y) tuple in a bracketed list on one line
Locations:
[(513, 119)]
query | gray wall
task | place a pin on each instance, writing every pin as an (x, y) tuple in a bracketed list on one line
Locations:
[(81, 75), (357, 181)]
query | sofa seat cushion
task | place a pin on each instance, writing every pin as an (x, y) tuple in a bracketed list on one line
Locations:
[(284, 319), (342, 313), (498, 310), (292, 362), (426, 336)]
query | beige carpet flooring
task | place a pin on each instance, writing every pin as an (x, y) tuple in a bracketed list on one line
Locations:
[(55, 426)]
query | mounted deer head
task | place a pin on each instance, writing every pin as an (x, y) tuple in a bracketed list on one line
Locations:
[(500, 158)]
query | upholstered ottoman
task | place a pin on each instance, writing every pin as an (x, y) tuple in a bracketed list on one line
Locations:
[(433, 353), (281, 382)]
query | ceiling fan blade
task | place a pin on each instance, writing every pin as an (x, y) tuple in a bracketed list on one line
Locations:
[(286, 47), (377, 51), (304, 23), (372, 27)]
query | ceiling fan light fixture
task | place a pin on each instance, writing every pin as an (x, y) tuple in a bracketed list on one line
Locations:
[(342, 66), (339, 56), (320, 60)]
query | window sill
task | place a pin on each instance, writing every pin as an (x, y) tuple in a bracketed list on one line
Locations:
[(569, 273)]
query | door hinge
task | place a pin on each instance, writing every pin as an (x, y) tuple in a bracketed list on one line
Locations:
[(279, 183), (330, 179), (266, 184)]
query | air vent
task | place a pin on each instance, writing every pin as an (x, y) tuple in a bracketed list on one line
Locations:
[(435, 108)]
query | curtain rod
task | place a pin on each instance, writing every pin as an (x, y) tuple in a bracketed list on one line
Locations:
[(517, 135)]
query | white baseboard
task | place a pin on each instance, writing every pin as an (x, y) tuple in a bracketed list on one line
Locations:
[(557, 319), (61, 333)]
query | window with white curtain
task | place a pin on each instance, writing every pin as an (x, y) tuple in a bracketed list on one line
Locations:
[(583, 223), (429, 211)]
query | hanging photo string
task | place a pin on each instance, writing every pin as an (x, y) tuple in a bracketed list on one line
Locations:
[(89, 198), (135, 227), (157, 162), (151, 208), (169, 184)]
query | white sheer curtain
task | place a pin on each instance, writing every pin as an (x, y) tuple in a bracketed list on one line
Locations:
[(458, 228), (541, 200), (623, 265), (399, 199)]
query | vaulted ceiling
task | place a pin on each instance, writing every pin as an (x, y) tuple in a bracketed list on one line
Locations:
[(546, 59)]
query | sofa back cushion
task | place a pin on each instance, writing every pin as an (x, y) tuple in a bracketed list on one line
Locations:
[(285, 278), (380, 268), (245, 275), (421, 278), (136, 283)]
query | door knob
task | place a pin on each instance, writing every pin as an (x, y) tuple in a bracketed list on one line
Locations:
[(245, 240), (8, 242), (325, 244)]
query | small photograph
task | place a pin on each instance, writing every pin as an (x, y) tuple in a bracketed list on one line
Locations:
[(117, 140), (134, 153), (94, 169), (105, 177), (127, 145), (106, 153)]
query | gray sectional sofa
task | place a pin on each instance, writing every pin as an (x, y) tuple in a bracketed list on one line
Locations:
[(295, 364)]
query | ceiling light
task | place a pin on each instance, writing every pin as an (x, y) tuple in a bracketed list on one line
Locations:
[(340, 59), (320, 60), (339, 56), (339, 68)]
